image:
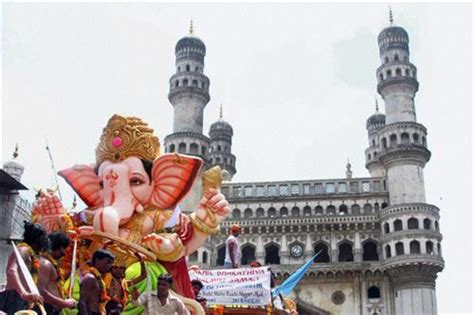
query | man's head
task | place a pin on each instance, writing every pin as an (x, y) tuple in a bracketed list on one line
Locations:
[(255, 264), (164, 284), (102, 260), (58, 242), (36, 236), (118, 271), (235, 230), (197, 286)]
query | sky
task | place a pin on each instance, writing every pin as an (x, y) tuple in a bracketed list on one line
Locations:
[(296, 81)]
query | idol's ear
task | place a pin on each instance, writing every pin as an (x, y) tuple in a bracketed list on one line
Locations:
[(85, 183), (173, 176)]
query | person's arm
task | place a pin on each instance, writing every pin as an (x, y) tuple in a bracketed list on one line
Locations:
[(44, 277), (13, 276), (87, 287), (137, 299), (233, 259), (142, 275)]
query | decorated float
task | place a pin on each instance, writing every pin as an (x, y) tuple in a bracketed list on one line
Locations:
[(131, 195)]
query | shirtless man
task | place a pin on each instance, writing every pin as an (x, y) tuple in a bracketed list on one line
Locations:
[(17, 296), (50, 283), (92, 289)]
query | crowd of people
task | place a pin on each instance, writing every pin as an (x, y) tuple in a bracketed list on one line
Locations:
[(103, 288)]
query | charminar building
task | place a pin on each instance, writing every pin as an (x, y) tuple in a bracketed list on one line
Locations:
[(380, 239)]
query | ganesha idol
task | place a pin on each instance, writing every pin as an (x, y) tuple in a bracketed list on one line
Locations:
[(133, 192)]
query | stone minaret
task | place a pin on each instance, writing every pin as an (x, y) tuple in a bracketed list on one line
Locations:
[(398, 149), (189, 95), (221, 133)]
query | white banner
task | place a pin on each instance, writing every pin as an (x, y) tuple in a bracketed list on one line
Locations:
[(242, 286)]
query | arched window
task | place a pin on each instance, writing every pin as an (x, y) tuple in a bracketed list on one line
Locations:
[(405, 138), (182, 147), (185, 82), (248, 213), (399, 250), (395, 57), (248, 254), (398, 72), (386, 228), (414, 247), (218, 160), (384, 143), (436, 226), (427, 224), (407, 72), (384, 205), (376, 207), (188, 68), (439, 249), (345, 252), (272, 212), (272, 256), (221, 255), (318, 210), (194, 148), (331, 210), (204, 257), (370, 252), (369, 157), (323, 257), (386, 59), (388, 251), (373, 142), (355, 209), (195, 83), (284, 212), (373, 292), (381, 76), (236, 214), (219, 148), (429, 247), (260, 213), (342, 209), (389, 73), (423, 141), (172, 148), (397, 225), (307, 211), (393, 139), (413, 224), (179, 69), (295, 212), (176, 83), (416, 138), (203, 151), (196, 69), (367, 208)]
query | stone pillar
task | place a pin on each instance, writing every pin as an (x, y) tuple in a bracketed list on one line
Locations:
[(260, 251), (357, 247)]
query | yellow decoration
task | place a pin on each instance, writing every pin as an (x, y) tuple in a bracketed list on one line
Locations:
[(202, 226), (125, 137)]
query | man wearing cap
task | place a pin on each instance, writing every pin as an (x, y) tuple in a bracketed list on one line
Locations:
[(232, 248)]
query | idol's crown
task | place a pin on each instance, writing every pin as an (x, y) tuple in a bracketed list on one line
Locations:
[(124, 137)]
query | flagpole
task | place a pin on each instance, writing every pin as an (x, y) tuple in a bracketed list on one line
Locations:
[(53, 167)]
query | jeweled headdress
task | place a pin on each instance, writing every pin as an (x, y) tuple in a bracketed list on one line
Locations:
[(124, 137)]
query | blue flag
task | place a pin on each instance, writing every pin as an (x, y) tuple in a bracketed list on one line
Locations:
[(287, 286)]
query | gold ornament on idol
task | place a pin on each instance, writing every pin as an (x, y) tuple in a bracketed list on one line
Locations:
[(211, 179), (124, 137)]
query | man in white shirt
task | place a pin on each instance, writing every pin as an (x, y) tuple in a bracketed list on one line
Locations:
[(160, 302), (232, 248)]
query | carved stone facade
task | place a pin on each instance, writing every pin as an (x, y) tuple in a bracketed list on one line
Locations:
[(380, 241)]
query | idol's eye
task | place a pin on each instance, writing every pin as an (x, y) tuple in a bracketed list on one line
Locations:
[(134, 181), (101, 184)]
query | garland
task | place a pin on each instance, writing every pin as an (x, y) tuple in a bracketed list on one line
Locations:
[(108, 279), (35, 262), (104, 297)]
